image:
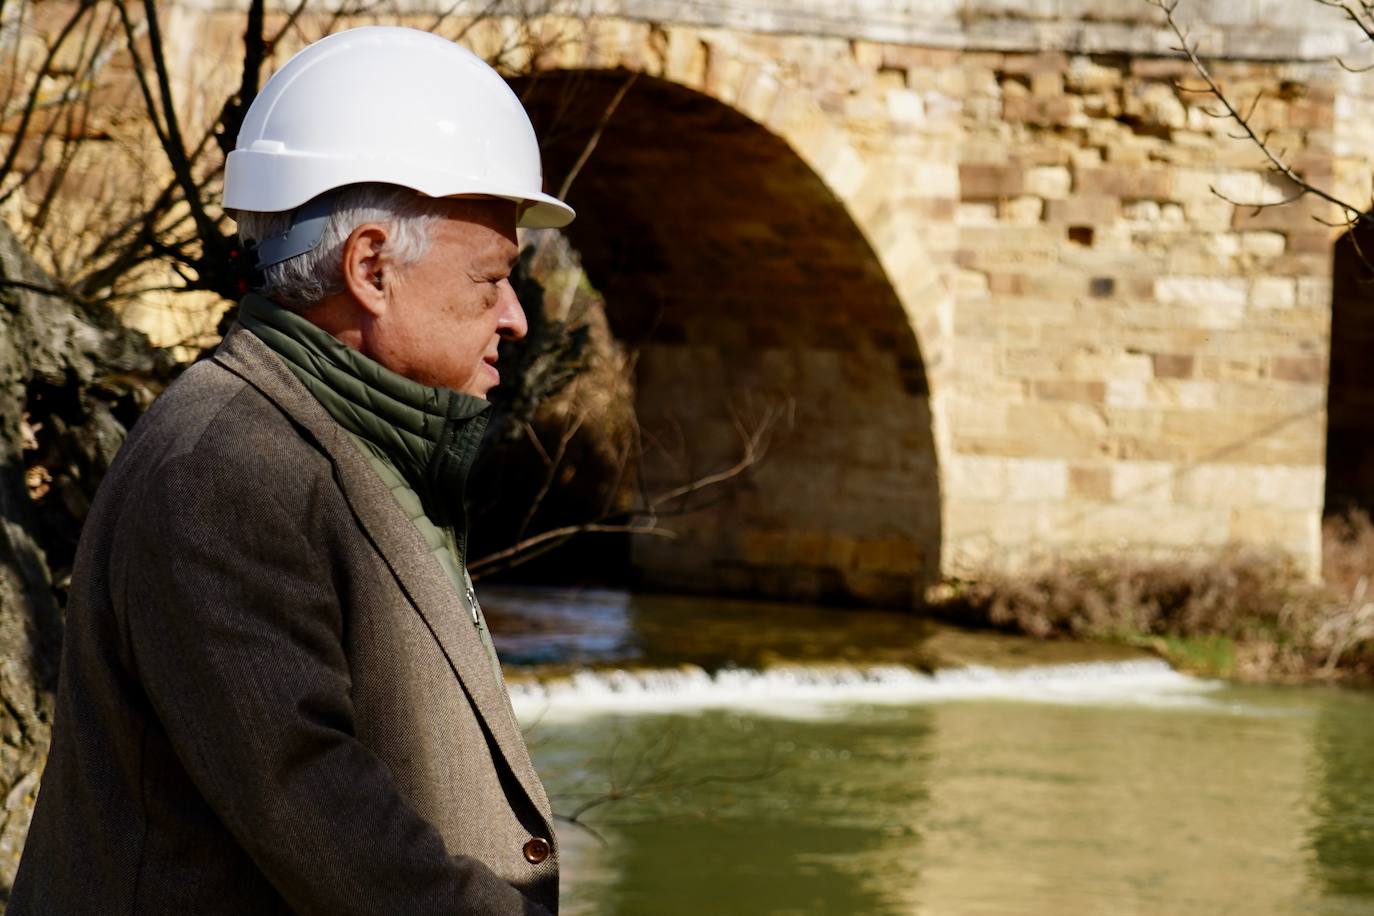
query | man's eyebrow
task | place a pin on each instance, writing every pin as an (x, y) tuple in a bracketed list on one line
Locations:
[(498, 265)]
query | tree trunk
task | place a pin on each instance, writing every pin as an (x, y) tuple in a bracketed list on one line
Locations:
[(72, 380)]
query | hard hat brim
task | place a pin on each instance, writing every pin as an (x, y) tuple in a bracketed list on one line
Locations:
[(271, 183), (544, 212)]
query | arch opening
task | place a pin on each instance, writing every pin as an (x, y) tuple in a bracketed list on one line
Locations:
[(744, 289)]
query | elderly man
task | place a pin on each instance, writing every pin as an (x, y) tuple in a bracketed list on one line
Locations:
[(278, 693)]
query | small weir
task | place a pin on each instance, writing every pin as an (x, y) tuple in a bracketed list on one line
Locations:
[(803, 689)]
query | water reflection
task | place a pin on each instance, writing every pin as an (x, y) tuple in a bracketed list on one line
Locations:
[(935, 801), (747, 815), (1342, 831), (1047, 810), (978, 807)]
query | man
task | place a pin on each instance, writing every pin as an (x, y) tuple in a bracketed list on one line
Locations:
[(277, 692)]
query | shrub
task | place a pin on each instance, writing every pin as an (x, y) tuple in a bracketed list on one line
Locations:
[(1248, 607)]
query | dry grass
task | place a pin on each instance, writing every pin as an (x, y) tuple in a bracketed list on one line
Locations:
[(1243, 612)]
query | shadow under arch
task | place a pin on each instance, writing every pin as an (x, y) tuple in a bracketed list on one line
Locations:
[(742, 282), (1350, 384)]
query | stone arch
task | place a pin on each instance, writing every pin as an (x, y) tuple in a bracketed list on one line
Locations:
[(743, 281)]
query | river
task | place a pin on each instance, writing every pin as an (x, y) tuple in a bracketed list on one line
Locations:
[(744, 758)]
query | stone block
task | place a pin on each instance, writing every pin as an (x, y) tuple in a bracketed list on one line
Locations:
[(971, 284), (1031, 64), (1295, 532), (1090, 483), (867, 54), (1209, 213), (1052, 182), (1263, 244), (1229, 295), (1305, 370), (976, 477), (1317, 241), (1314, 292), (1172, 365), (1142, 211), (1232, 12), (1143, 527), (1074, 431), (1251, 486), (1274, 293), (1055, 111), (1156, 104), (976, 213), (928, 178), (1085, 76), (1082, 211), (981, 182), (1261, 436), (1037, 480), (1142, 482), (1183, 393), (1024, 210), (1083, 392), (1171, 67), (1047, 83), (1127, 182), (1007, 284), (905, 108), (1126, 393), (1107, 364), (920, 59)]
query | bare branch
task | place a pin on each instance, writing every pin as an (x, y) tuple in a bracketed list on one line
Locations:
[(643, 520), (596, 134), (173, 144), (532, 547), (1243, 122), (22, 129), (1362, 22), (484, 13), (1257, 207), (551, 473), (755, 444)]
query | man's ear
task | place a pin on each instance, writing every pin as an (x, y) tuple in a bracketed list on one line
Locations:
[(364, 268)]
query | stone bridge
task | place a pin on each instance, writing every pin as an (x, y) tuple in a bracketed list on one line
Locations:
[(991, 260)]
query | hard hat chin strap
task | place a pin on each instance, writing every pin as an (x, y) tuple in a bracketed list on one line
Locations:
[(307, 228)]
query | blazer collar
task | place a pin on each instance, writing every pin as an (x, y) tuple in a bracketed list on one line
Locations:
[(398, 542)]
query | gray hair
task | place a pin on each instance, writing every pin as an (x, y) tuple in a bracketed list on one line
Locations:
[(307, 278)]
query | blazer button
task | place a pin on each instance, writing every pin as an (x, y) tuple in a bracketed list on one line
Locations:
[(537, 850)]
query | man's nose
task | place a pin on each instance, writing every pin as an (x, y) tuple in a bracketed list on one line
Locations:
[(512, 324)]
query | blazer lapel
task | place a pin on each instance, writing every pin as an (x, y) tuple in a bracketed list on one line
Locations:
[(400, 545)]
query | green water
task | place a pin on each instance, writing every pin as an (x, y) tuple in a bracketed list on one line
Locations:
[(1262, 802), (1156, 797)]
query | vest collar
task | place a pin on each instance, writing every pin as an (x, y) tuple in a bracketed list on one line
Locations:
[(430, 434)]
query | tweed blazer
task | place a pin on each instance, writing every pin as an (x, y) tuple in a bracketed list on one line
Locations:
[(272, 698)]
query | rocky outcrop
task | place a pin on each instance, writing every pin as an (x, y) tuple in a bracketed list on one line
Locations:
[(72, 380)]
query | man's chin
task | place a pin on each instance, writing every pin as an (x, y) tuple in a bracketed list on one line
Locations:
[(481, 392)]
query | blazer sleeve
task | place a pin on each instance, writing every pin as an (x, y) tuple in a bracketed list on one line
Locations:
[(236, 634)]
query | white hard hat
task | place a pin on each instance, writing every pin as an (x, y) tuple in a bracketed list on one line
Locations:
[(392, 105)]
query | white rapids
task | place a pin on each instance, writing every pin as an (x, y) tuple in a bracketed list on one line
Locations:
[(816, 690)]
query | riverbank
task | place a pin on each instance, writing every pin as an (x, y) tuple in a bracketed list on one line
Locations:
[(1243, 614)]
